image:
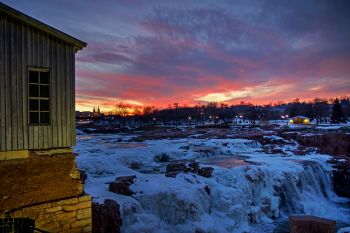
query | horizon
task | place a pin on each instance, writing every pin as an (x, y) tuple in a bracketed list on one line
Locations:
[(156, 53), (132, 108)]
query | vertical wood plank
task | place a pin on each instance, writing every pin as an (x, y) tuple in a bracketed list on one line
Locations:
[(19, 55), (30, 63), (25, 85), (73, 131), (64, 96), (8, 84), (46, 65), (68, 96), (54, 93), (2, 85), (60, 93), (35, 63), (13, 88)]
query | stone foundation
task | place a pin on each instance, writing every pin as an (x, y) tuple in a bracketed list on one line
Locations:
[(38, 179), (47, 188), (67, 215)]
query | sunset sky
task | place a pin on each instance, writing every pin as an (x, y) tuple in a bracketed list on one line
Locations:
[(160, 52)]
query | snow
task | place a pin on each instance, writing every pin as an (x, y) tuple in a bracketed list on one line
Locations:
[(344, 230), (273, 137), (267, 188)]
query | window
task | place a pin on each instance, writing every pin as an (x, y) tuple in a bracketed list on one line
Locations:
[(39, 96)]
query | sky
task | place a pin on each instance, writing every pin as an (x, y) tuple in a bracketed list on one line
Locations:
[(157, 52)]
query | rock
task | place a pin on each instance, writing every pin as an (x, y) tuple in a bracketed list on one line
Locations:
[(162, 158), (176, 167), (194, 166), (83, 176), (207, 189), (205, 171), (200, 231), (171, 174), (121, 185), (341, 182), (276, 151), (344, 230), (106, 217), (341, 176), (328, 143), (312, 223)]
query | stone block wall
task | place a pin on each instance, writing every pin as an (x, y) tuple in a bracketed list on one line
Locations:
[(38, 179), (71, 215)]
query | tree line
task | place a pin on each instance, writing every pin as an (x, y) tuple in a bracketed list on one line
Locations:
[(320, 110)]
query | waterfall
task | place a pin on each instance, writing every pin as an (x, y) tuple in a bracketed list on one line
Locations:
[(240, 200)]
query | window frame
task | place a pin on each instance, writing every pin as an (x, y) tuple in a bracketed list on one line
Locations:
[(39, 70)]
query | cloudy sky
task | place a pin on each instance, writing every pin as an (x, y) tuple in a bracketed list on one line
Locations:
[(157, 52)]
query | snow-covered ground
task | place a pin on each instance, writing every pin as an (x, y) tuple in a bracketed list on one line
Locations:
[(250, 190)]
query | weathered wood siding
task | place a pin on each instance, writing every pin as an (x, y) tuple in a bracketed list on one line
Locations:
[(21, 47)]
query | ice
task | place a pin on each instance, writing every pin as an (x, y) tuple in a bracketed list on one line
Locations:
[(344, 230), (263, 190)]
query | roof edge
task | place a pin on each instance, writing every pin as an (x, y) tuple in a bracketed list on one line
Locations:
[(78, 44)]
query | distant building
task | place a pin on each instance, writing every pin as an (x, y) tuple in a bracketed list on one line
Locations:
[(39, 178), (299, 120), (84, 114)]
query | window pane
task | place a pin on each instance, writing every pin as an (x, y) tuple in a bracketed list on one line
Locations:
[(44, 105), (33, 76), (33, 105), (44, 117), (44, 91), (34, 117), (45, 77), (33, 90)]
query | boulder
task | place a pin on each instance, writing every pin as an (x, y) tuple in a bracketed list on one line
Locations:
[(194, 166), (205, 171), (121, 185), (311, 224), (162, 158), (83, 176), (341, 182), (106, 217), (177, 167)]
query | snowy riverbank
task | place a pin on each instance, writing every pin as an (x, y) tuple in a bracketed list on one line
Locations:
[(248, 196)]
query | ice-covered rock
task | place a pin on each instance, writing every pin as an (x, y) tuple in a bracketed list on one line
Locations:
[(121, 185), (106, 217), (344, 230)]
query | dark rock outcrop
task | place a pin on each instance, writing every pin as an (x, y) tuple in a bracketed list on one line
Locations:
[(205, 171), (177, 167), (337, 144), (162, 158), (121, 185), (341, 177), (83, 176), (106, 217)]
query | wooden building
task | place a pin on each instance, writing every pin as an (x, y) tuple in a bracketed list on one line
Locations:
[(37, 105), (300, 120), (39, 179)]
